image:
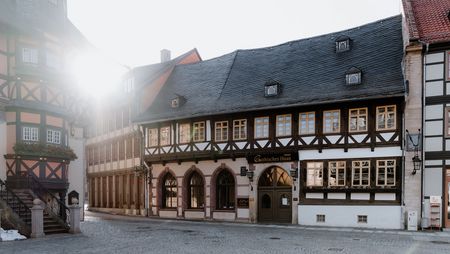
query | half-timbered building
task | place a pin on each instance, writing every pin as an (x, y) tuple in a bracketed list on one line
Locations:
[(307, 132), (113, 147), (39, 132), (428, 58)]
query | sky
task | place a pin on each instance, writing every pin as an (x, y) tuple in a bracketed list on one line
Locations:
[(132, 32)]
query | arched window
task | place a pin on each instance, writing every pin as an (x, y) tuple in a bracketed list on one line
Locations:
[(225, 194), (196, 191), (169, 192)]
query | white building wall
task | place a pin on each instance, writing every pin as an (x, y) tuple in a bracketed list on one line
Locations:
[(386, 217), (77, 170)]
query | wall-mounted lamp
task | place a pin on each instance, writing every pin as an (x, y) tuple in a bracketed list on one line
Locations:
[(250, 175), (417, 162), (143, 170)]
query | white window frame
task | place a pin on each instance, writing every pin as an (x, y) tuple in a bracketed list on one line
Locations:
[(355, 113), (30, 55), (339, 166), (53, 136), (129, 85), (221, 131), (385, 168), (240, 129), (332, 119), (359, 170), (184, 133), (30, 133), (314, 174), (164, 136), (384, 115), (284, 125), (152, 137), (307, 118), (262, 127), (198, 131)]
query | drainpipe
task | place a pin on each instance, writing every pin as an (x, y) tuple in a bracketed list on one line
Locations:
[(427, 45)]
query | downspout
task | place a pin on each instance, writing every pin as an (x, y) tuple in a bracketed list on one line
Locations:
[(427, 45)]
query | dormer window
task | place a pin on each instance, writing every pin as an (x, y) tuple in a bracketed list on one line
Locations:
[(342, 44), (353, 76), (177, 101), (272, 89)]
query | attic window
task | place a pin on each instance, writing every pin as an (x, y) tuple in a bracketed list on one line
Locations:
[(353, 76), (177, 101), (342, 44), (272, 89)]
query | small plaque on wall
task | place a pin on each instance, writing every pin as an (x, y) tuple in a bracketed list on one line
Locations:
[(242, 202)]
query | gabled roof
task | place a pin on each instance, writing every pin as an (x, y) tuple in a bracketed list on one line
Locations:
[(144, 75), (309, 71), (428, 20)]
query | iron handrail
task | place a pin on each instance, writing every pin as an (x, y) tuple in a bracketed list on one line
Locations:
[(38, 188), (12, 200)]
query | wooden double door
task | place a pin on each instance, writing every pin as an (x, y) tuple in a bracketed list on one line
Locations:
[(275, 196)]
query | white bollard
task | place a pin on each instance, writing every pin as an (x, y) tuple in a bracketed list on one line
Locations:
[(37, 219), (74, 217)]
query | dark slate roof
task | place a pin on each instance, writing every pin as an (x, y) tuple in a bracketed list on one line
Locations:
[(309, 70), (144, 75)]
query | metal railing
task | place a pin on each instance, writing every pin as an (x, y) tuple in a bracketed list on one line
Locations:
[(55, 207), (15, 203)]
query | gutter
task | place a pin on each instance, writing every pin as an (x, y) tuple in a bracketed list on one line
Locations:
[(397, 95)]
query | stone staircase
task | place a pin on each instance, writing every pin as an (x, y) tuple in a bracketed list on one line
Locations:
[(51, 225)]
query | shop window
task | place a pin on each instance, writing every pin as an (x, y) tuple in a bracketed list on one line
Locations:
[(360, 173), (336, 173), (314, 174), (169, 191), (385, 172), (196, 191), (225, 190)]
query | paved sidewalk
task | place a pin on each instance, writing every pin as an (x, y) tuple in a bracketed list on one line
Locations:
[(425, 233), (106, 234)]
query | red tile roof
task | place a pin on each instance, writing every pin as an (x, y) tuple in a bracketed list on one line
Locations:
[(428, 20)]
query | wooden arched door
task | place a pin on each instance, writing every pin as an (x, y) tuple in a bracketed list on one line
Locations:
[(275, 196)]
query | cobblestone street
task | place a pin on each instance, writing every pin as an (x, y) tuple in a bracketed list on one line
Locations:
[(117, 234)]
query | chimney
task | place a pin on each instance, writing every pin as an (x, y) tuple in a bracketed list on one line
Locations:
[(165, 55)]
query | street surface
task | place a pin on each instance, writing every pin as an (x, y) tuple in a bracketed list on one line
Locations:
[(118, 234)]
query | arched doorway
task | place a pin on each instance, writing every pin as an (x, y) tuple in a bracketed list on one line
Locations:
[(275, 196)]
